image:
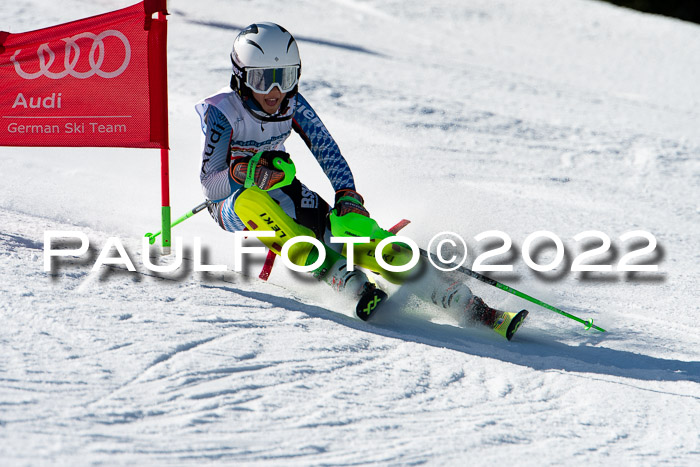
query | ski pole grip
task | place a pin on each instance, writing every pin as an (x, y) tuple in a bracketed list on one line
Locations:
[(290, 171), (285, 166)]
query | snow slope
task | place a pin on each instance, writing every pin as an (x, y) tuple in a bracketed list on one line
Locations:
[(464, 116)]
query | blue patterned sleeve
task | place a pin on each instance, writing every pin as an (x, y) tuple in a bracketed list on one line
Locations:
[(217, 184), (322, 145)]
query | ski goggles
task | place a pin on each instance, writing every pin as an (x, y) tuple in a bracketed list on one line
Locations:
[(262, 80)]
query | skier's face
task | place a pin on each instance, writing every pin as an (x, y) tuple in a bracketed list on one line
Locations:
[(271, 101)]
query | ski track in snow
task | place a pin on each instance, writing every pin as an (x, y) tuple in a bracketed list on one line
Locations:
[(216, 363), (566, 116)]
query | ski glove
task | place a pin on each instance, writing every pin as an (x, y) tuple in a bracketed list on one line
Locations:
[(347, 200), (266, 175)]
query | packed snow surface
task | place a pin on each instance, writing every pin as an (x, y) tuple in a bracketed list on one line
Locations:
[(463, 116)]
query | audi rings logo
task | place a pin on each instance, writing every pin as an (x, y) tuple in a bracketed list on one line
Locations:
[(96, 57)]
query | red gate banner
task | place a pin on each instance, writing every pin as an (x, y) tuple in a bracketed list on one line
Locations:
[(99, 81)]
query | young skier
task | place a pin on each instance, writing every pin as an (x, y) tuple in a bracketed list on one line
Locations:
[(245, 170), (255, 115)]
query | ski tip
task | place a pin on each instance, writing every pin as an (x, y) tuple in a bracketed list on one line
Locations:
[(508, 323), (368, 303), (515, 323)]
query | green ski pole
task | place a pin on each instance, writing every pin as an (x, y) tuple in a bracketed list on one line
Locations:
[(588, 323), (192, 212)]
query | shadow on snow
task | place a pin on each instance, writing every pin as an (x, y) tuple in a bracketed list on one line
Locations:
[(529, 349)]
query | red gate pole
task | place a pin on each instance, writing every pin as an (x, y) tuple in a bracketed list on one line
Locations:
[(165, 155)]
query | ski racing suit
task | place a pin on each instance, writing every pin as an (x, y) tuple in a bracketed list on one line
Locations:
[(231, 131)]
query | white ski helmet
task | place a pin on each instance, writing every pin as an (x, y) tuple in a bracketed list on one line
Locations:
[(264, 56)]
